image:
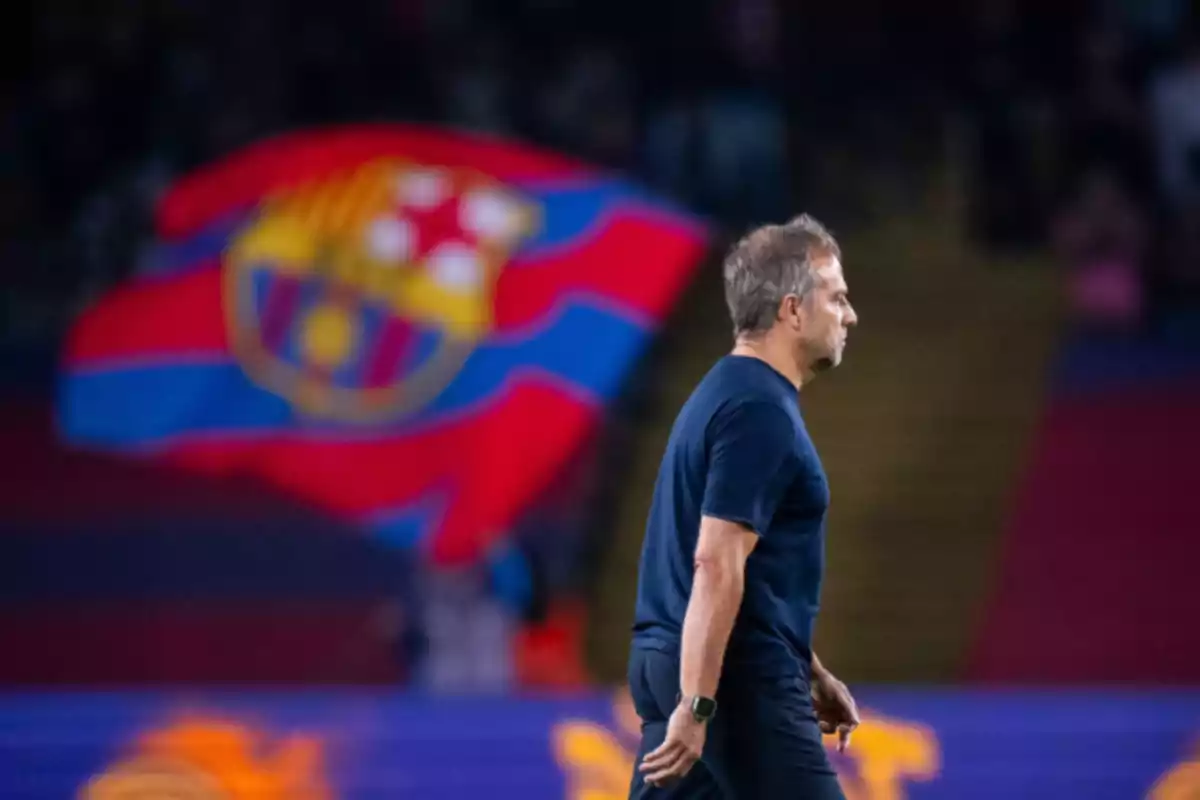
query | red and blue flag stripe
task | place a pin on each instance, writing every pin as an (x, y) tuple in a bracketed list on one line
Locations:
[(150, 370)]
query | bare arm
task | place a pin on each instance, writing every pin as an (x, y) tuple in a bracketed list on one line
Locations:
[(717, 587), (751, 459)]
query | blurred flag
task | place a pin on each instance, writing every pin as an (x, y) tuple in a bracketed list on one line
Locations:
[(411, 328)]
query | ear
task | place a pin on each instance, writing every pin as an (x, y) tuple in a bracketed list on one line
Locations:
[(791, 310)]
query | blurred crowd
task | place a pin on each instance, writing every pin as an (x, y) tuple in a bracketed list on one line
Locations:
[(121, 96), (1094, 127), (1085, 115)]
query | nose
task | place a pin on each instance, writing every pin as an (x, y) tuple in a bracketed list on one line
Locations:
[(851, 318)]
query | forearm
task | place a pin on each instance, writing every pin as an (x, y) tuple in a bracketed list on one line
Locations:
[(713, 607)]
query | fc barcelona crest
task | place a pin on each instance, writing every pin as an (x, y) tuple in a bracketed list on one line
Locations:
[(360, 297)]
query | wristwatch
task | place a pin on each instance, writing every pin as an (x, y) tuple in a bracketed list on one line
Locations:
[(703, 708)]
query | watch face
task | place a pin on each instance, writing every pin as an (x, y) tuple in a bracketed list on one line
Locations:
[(703, 708)]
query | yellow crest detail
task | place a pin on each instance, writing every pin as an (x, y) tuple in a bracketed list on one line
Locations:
[(416, 244), (207, 760), (1181, 782)]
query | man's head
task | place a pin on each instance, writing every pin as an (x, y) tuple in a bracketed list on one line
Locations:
[(785, 282)]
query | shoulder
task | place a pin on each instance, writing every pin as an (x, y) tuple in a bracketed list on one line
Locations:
[(755, 414)]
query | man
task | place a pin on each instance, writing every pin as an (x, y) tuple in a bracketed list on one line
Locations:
[(732, 699)]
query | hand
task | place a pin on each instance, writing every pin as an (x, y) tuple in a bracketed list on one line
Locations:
[(682, 747), (835, 707)]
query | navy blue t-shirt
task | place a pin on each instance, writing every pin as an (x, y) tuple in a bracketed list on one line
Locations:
[(739, 451)]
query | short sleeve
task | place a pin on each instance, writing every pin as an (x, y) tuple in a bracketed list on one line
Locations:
[(751, 462)]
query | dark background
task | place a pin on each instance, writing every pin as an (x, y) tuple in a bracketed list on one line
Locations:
[(1011, 443)]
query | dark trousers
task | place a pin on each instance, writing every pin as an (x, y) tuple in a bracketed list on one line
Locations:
[(763, 744)]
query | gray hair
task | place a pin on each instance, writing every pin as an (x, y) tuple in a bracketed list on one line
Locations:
[(770, 263)]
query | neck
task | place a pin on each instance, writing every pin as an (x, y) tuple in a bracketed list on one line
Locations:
[(776, 353)]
